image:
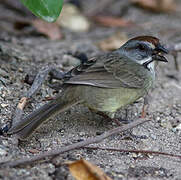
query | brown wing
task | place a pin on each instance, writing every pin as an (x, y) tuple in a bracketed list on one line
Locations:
[(109, 71)]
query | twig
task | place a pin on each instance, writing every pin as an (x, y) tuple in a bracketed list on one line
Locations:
[(133, 151), (74, 146), (19, 110)]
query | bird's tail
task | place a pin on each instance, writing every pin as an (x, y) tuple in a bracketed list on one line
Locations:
[(26, 126)]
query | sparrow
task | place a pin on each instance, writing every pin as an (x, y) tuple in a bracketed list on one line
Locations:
[(104, 83)]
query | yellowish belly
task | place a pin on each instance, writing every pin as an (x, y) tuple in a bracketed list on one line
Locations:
[(103, 99)]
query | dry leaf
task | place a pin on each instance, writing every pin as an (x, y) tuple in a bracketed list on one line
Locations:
[(71, 18), (112, 21), (83, 170), (51, 30), (156, 5), (113, 42)]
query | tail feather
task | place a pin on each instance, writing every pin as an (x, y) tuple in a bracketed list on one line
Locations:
[(26, 126)]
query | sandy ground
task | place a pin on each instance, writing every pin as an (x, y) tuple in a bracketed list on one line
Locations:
[(21, 55)]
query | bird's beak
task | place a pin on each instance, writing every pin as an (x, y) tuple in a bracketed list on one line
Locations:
[(162, 49), (158, 53), (159, 57)]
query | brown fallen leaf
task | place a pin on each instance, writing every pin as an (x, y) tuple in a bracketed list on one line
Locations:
[(113, 42), (112, 21), (51, 30), (84, 170), (156, 5)]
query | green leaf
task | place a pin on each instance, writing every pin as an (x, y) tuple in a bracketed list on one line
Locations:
[(48, 10)]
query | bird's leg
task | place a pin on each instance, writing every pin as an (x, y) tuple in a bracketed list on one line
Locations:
[(107, 117), (145, 106), (125, 120), (130, 132)]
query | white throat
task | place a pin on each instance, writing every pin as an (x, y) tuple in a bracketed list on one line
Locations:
[(151, 66)]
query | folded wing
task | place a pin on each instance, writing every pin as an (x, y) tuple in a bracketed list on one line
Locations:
[(109, 71)]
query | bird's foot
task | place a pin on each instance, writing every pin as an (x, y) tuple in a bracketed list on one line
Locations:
[(147, 99), (144, 111)]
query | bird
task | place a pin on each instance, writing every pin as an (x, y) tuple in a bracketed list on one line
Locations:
[(104, 83)]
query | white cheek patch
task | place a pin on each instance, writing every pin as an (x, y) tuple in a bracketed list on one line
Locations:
[(151, 66), (144, 60)]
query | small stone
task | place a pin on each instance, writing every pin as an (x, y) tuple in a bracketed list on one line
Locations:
[(4, 105), (174, 130), (134, 155), (150, 156), (70, 61), (20, 70), (166, 124), (178, 127), (158, 118), (82, 133)]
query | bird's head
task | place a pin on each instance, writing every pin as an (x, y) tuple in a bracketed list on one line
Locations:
[(144, 50)]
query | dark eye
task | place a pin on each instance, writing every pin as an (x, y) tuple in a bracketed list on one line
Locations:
[(141, 47)]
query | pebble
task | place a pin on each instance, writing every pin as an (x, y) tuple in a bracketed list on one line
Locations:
[(134, 155), (158, 118), (20, 70), (4, 105), (166, 124), (70, 61), (178, 127)]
